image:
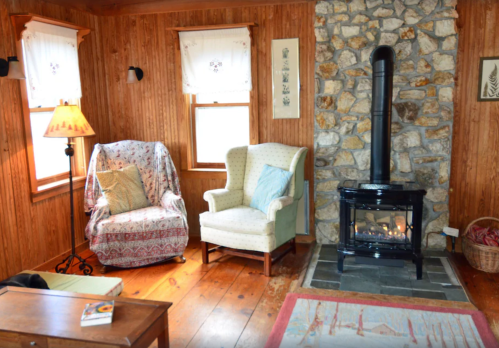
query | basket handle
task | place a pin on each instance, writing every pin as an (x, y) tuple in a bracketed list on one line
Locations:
[(479, 219)]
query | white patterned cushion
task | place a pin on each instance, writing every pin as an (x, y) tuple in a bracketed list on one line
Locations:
[(235, 162), (240, 219), (273, 154), (244, 241)]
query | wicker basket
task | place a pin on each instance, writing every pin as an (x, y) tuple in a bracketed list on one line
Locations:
[(482, 257)]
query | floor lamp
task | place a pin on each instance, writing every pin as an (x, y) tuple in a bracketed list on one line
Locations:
[(69, 122)]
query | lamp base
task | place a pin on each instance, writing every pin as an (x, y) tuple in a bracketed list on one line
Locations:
[(85, 267)]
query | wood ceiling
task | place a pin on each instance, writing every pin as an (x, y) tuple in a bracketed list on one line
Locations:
[(128, 7)]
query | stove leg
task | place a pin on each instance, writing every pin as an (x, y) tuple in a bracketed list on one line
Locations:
[(341, 257), (419, 268)]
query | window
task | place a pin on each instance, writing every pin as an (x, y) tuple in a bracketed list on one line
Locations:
[(217, 83), (219, 122), (48, 50)]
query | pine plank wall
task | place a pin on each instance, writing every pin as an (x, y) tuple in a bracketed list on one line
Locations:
[(32, 234), (474, 191), (148, 110)]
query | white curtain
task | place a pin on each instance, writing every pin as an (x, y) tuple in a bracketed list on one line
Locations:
[(51, 58), (216, 61)]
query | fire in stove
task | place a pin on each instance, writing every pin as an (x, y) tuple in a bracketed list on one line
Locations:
[(381, 227)]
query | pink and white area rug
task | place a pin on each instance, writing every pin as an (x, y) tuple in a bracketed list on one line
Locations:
[(320, 322)]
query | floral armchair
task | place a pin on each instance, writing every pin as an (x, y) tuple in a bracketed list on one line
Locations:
[(144, 236)]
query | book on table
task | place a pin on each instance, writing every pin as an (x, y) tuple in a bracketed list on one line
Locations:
[(98, 313)]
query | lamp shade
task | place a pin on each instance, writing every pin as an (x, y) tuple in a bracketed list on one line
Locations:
[(15, 69), (132, 76), (68, 122)]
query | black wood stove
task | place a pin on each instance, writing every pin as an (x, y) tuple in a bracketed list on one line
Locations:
[(378, 218)]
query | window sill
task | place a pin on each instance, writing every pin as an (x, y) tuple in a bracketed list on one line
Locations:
[(56, 188), (204, 173)]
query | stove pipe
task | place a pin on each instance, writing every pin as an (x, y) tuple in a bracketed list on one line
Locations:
[(382, 61)]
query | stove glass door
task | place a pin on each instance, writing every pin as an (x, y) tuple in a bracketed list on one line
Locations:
[(381, 224)]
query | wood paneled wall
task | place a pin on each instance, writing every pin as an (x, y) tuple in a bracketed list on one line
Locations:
[(475, 151), (31, 234), (148, 111)]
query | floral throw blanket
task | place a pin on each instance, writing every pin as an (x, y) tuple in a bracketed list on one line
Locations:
[(142, 236)]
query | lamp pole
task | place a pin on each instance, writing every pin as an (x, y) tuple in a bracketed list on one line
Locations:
[(85, 267)]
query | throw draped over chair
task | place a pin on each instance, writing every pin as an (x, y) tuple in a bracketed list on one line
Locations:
[(232, 224), (144, 236)]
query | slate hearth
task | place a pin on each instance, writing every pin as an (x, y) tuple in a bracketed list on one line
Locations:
[(439, 282)]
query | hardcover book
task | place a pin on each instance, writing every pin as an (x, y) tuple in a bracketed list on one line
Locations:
[(98, 313)]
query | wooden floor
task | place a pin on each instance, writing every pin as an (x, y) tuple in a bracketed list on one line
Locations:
[(230, 303), (227, 303), (482, 289)]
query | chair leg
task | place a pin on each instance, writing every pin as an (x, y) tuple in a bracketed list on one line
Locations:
[(293, 246), (267, 264), (204, 251)]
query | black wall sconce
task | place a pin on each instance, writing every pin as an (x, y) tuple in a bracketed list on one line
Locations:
[(11, 68), (134, 75)]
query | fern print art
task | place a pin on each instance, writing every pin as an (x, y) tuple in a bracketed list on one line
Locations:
[(493, 89)]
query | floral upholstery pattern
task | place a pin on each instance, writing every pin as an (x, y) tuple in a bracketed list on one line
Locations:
[(144, 236)]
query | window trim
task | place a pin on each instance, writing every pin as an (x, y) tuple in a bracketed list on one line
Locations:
[(49, 189), (194, 105), (184, 104)]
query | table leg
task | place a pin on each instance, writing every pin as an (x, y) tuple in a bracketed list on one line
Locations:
[(163, 340)]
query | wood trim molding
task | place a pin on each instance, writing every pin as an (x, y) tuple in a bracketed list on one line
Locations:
[(58, 188), (52, 179), (204, 173), (20, 20), (215, 27)]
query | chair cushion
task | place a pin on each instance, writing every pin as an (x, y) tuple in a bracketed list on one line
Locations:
[(107, 286), (272, 184), (148, 219), (123, 189), (240, 219)]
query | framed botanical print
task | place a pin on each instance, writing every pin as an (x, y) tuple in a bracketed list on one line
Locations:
[(286, 78), (488, 87)]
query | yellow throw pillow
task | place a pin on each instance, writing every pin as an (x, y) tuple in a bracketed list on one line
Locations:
[(123, 189)]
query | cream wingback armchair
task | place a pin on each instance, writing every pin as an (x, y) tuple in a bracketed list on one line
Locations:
[(237, 228)]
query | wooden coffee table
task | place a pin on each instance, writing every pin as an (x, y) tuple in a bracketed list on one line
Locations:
[(49, 318)]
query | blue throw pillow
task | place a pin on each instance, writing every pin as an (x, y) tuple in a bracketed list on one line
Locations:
[(272, 184)]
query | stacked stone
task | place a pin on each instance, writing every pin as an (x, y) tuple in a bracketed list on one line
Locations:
[(424, 36)]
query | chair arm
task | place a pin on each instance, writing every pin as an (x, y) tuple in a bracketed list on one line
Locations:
[(222, 199), (100, 211), (276, 205), (102, 207), (173, 202)]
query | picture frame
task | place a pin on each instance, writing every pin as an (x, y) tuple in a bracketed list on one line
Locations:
[(488, 85), (286, 78)]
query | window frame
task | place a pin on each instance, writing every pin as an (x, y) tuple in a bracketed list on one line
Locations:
[(45, 188), (194, 105), (184, 105)]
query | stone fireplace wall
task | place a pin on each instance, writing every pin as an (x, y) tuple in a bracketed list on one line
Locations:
[(423, 34)]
